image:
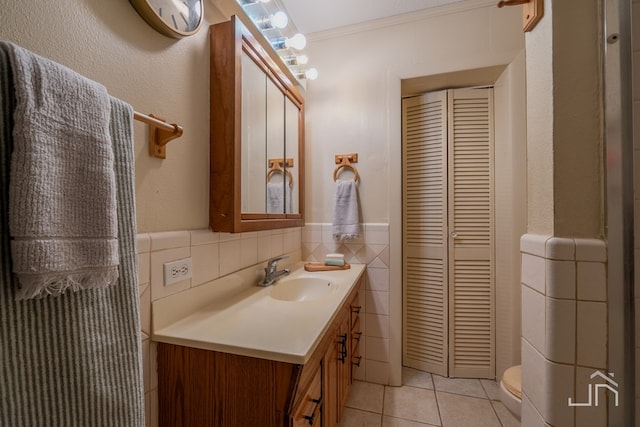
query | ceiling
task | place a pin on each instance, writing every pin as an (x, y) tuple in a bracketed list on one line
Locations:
[(310, 16)]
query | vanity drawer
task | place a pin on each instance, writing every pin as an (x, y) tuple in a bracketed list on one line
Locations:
[(309, 411)]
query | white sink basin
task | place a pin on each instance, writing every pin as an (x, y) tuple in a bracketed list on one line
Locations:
[(302, 289)]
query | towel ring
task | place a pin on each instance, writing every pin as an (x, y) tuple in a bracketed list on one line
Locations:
[(344, 161), (276, 165), (278, 170)]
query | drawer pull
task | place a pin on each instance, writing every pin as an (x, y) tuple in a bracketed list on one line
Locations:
[(356, 309), (343, 348), (311, 418), (358, 362)]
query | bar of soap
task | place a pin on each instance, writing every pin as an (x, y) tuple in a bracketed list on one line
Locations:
[(335, 256), (334, 262)]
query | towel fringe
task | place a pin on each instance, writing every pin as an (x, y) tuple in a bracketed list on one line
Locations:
[(39, 286)]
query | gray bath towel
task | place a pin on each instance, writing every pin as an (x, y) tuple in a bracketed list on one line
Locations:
[(74, 360), (346, 218), (62, 210)]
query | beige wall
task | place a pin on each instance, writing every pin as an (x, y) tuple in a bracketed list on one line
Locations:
[(108, 42), (510, 213), (564, 106), (354, 105)]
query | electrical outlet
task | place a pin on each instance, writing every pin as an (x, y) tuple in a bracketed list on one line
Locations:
[(177, 271)]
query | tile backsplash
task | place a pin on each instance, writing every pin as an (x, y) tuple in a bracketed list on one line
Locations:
[(213, 255)]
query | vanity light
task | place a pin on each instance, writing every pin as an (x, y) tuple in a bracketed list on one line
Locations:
[(277, 20), (297, 42), (310, 74), (296, 60)]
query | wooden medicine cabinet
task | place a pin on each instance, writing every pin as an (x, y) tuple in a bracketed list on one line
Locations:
[(257, 136)]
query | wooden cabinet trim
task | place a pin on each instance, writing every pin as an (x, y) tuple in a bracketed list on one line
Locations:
[(228, 40)]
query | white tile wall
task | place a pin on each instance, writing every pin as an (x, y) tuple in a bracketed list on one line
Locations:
[(213, 255), (533, 272), (371, 248), (560, 331), (560, 279), (592, 334), (564, 326), (593, 416)]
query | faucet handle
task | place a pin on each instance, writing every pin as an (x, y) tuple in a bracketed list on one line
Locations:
[(274, 261)]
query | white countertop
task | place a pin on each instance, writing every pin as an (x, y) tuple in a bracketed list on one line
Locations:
[(233, 315)]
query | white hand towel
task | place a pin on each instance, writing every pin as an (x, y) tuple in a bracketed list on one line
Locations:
[(277, 195), (62, 197), (346, 220)]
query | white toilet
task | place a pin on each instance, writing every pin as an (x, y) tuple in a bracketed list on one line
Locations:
[(511, 390)]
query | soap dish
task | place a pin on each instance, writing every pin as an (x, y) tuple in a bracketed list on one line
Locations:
[(319, 266)]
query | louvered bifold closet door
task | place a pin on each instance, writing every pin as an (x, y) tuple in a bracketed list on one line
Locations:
[(471, 296), (425, 232)]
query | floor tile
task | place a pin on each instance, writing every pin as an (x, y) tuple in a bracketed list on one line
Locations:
[(491, 388), (411, 403), (399, 422), (506, 418), (465, 411), (463, 386), (416, 378), (357, 418), (366, 396)]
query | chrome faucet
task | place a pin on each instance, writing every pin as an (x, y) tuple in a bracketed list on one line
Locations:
[(271, 273)]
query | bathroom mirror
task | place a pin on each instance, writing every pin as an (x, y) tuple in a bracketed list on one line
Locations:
[(257, 128)]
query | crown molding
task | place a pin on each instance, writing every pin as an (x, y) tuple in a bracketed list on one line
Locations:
[(401, 19)]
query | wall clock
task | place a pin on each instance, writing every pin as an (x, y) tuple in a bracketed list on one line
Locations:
[(173, 18)]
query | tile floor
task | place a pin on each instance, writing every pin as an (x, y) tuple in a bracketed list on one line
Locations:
[(427, 400)]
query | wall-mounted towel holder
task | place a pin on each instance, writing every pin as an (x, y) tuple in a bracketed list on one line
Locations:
[(280, 166), (345, 161), (532, 11), (160, 135)]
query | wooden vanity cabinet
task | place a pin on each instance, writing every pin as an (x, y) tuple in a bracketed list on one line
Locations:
[(209, 388)]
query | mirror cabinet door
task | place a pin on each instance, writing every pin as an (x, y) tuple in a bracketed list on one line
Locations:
[(292, 167), (275, 186), (253, 136)]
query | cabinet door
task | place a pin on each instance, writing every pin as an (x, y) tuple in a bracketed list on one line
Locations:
[(356, 335), (292, 142), (253, 136), (344, 363), (276, 185), (330, 375)]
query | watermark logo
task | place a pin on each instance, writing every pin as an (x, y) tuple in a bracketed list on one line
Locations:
[(610, 385)]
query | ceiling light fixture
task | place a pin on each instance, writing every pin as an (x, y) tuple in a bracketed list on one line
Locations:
[(277, 20), (250, 2), (297, 42), (296, 60), (310, 74)]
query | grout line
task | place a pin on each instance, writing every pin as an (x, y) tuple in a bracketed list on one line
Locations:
[(493, 408), (435, 395), (384, 392)]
